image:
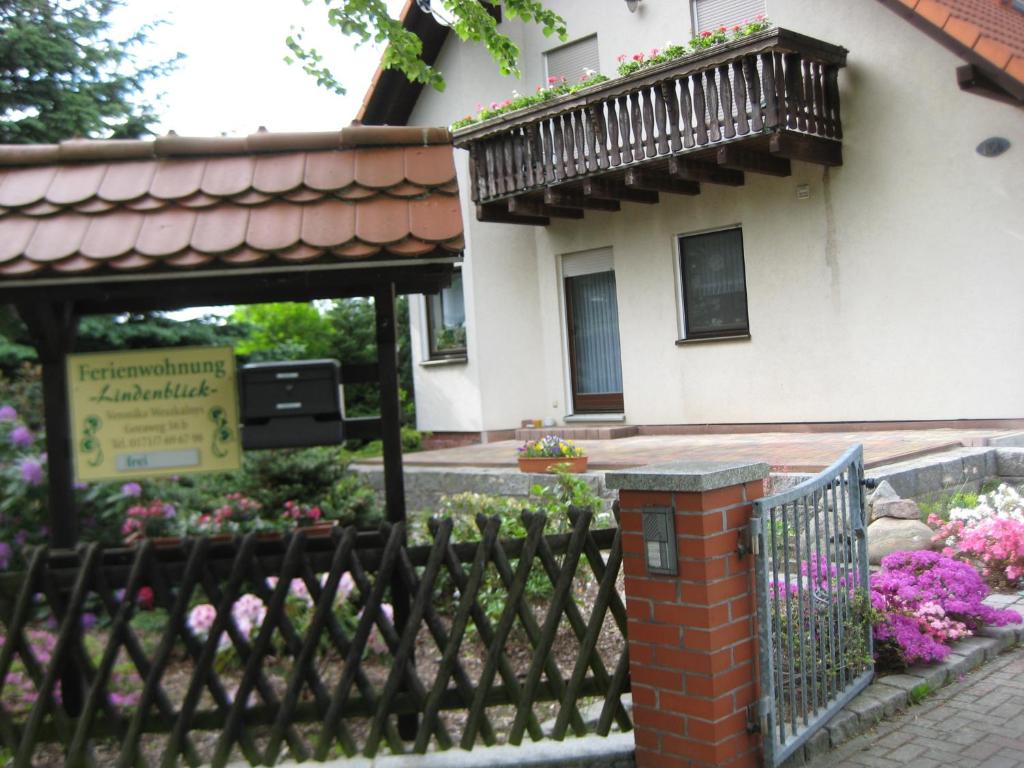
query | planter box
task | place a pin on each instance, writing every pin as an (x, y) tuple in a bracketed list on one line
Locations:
[(575, 464)]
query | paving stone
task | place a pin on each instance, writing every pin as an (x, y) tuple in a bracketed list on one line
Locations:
[(1006, 636), (987, 646), (868, 708), (906, 753)]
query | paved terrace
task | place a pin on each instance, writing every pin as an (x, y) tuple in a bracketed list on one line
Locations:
[(785, 451)]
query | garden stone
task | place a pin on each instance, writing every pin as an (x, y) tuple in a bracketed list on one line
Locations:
[(869, 709), (1010, 462), (900, 509), (883, 492), (843, 727), (817, 745), (935, 675), (887, 535), (893, 698)]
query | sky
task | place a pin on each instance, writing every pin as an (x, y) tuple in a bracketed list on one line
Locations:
[(233, 78)]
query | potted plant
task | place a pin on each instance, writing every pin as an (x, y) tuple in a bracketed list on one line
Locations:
[(157, 520), (551, 451), (238, 514), (308, 517)]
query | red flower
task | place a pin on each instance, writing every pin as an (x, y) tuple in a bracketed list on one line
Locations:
[(145, 598), (638, 57), (736, 28), (721, 29), (705, 34)]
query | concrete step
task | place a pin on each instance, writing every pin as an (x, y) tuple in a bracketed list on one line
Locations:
[(589, 432)]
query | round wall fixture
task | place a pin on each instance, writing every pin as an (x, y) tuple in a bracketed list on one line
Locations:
[(993, 146), (632, 5)]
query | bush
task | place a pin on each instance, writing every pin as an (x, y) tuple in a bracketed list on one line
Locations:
[(989, 532), (924, 601)]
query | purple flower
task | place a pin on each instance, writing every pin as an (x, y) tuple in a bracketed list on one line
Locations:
[(131, 489), (88, 621), (21, 436), (80, 486), (5, 555), (31, 470), (21, 537), (7, 413)]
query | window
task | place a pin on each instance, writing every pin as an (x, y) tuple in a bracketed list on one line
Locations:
[(446, 321), (712, 14), (714, 287), (573, 60)]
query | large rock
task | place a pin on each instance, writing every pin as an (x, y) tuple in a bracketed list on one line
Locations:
[(901, 509), (882, 493), (889, 534)]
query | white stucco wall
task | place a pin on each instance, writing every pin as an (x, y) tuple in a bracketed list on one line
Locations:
[(893, 292)]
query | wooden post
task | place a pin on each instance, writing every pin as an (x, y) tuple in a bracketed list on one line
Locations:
[(53, 328), (391, 437)]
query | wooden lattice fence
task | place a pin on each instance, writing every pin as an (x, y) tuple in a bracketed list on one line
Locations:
[(497, 637)]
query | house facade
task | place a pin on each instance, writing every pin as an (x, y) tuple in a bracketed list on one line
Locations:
[(863, 266)]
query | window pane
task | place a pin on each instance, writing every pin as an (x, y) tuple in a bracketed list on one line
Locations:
[(447, 317), (714, 289), (712, 14), (595, 320)]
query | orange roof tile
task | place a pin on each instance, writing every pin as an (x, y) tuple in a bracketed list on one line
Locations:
[(987, 33), (99, 207)]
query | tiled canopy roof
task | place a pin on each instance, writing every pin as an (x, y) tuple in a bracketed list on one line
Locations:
[(175, 203), (987, 33)]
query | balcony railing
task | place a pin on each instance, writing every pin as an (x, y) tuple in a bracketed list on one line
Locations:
[(749, 105)]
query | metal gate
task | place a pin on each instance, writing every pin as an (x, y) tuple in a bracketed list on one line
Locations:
[(814, 629)]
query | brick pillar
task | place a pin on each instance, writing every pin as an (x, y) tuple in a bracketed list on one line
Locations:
[(692, 642)]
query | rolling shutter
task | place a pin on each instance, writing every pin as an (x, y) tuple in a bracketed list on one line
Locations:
[(572, 60), (712, 14)]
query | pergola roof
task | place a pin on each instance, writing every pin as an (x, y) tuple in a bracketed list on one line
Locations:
[(100, 208)]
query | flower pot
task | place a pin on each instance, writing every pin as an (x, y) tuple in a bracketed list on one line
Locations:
[(165, 542), (319, 530), (574, 464)]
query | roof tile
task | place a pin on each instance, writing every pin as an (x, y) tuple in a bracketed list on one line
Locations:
[(329, 171), (127, 181), (380, 168), (279, 173), (428, 168), (56, 238), (220, 230), (176, 179), (385, 220), (435, 219), (75, 183), (17, 232), (127, 205), (934, 12), (226, 176), (328, 223), (962, 31), (165, 232), (111, 236), (1016, 68), (274, 227), (994, 51), (24, 186)]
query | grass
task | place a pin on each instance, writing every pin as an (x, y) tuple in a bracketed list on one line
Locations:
[(919, 693)]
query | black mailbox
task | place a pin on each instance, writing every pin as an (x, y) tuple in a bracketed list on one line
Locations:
[(291, 405)]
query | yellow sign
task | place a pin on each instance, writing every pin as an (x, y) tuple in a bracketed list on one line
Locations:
[(154, 412)]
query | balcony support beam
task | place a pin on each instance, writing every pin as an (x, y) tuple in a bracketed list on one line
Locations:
[(608, 190), (807, 149), (659, 182), (528, 206), (498, 213), (741, 159), (691, 170), (562, 199)]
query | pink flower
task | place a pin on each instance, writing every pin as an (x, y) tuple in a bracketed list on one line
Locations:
[(620, 58), (552, 79), (736, 28), (638, 57), (721, 29), (705, 34), (7, 413), (760, 17), (31, 471), (654, 52), (21, 436), (494, 105)]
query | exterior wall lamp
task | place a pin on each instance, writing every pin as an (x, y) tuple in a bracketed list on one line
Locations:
[(632, 5)]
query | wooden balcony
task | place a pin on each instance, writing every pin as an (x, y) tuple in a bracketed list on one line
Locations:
[(751, 105)]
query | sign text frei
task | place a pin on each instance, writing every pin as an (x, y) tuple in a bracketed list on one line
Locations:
[(153, 412)]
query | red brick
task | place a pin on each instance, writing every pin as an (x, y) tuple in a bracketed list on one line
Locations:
[(705, 730), (726, 751), (719, 637), (727, 589), (742, 607), (631, 520), (652, 758), (633, 543), (633, 565), (743, 652), (697, 524), (690, 616), (656, 677), (709, 546), (635, 500), (753, 490), (738, 517), (744, 697), (653, 589), (641, 653), (638, 609), (688, 749), (720, 684), (692, 570), (644, 695), (689, 502), (656, 719), (722, 497), (644, 737), (688, 661), (659, 634)]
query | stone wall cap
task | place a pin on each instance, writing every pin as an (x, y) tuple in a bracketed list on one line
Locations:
[(687, 476)]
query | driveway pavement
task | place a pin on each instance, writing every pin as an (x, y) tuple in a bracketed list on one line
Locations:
[(977, 722)]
